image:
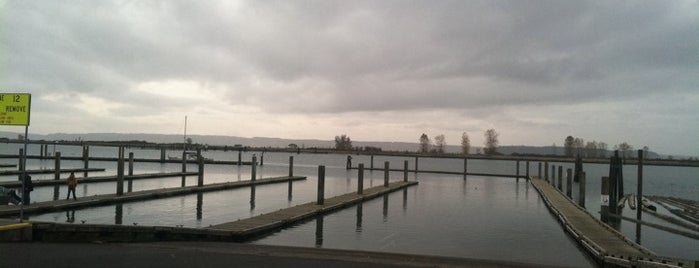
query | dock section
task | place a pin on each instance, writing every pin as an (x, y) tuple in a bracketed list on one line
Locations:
[(98, 200), (51, 182), (245, 229), (50, 171), (609, 247)]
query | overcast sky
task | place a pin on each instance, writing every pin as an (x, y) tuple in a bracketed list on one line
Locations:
[(535, 71)]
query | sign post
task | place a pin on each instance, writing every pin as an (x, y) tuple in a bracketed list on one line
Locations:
[(15, 111)]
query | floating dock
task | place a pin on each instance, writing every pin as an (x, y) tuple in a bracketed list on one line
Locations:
[(245, 229), (609, 247), (13, 184), (51, 171), (99, 200)]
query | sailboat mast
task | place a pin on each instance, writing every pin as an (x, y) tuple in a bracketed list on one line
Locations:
[(185, 133)]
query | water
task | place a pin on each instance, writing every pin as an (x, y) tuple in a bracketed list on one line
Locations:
[(480, 217)]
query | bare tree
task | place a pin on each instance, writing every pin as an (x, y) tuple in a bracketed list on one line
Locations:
[(343, 142), (591, 149), (465, 143), (568, 146), (645, 152), (625, 148), (424, 143), (579, 145), (491, 142), (440, 142)]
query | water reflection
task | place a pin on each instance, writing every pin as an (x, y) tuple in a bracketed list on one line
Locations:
[(358, 229), (56, 192), (119, 214), (638, 233), (70, 216), (319, 231), (385, 208), (405, 199), (290, 191), (252, 199), (200, 201)]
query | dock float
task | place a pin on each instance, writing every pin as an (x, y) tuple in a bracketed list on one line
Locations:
[(609, 247), (245, 229), (50, 182), (7, 166), (99, 200), (51, 171)]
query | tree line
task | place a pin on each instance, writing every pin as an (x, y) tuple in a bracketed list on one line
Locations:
[(573, 146)]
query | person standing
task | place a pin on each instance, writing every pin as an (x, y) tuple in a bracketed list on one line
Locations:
[(72, 183), (28, 188)]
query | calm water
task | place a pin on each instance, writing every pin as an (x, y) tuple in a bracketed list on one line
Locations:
[(480, 217)]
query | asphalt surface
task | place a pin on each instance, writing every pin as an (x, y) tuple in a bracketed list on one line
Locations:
[(211, 254)]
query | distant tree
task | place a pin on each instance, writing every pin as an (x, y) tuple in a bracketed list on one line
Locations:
[(189, 141), (554, 150), (645, 152), (579, 145), (491, 142), (424, 143), (591, 149), (343, 142), (465, 143), (568, 146), (602, 149), (625, 149), (440, 142)]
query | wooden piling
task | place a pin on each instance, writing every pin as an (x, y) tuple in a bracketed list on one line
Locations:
[(57, 174), (321, 185), (539, 169), (546, 171), (385, 173), (253, 169), (86, 158), (120, 171), (371, 166), (604, 204), (517, 170), (291, 166), (527, 172), (360, 179), (639, 189), (262, 158), (184, 168), (200, 171), (129, 186), (405, 170), (553, 176), (162, 154), (465, 167), (240, 160), (416, 165), (569, 183), (560, 178), (581, 190)]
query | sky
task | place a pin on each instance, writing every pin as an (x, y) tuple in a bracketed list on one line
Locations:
[(535, 71)]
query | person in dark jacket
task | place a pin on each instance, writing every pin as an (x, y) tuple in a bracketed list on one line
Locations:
[(28, 188)]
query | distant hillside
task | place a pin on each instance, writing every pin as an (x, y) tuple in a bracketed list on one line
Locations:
[(278, 142)]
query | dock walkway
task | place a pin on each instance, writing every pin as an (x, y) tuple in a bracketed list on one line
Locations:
[(82, 180), (247, 228), (98, 200), (50, 171), (607, 245)]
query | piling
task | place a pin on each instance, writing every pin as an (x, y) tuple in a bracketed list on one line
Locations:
[(184, 167), (569, 183), (553, 176), (162, 154), (240, 161), (581, 188), (129, 186), (291, 166), (360, 179), (86, 158), (57, 174), (539, 169), (527, 170), (639, 190), (200, 164), (371, 166), (120, 171), (416, 164), (253, 169), (546, 171), (560, 178), (21, 163), (465, 167), (604, 204), (348, 165), (385, 174), (262, 158), (405, 170), (321, 185), (517, 170)]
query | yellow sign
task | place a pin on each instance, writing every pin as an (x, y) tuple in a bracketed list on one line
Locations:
[(14, 108)]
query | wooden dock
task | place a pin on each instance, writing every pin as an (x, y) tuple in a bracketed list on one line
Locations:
[(608, 246), (51, 182), (522, 176), (245, 229), (51, 171), (99, 200)]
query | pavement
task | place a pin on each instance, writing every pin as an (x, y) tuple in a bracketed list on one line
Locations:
[(214, 254)]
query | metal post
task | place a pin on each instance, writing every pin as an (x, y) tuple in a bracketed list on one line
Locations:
[(639, 190), (569, 183), (321, 185), (360, 179), (385, 174), (291, 166), (21, 164), (254, 167), (604, 204), (581, 188)]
